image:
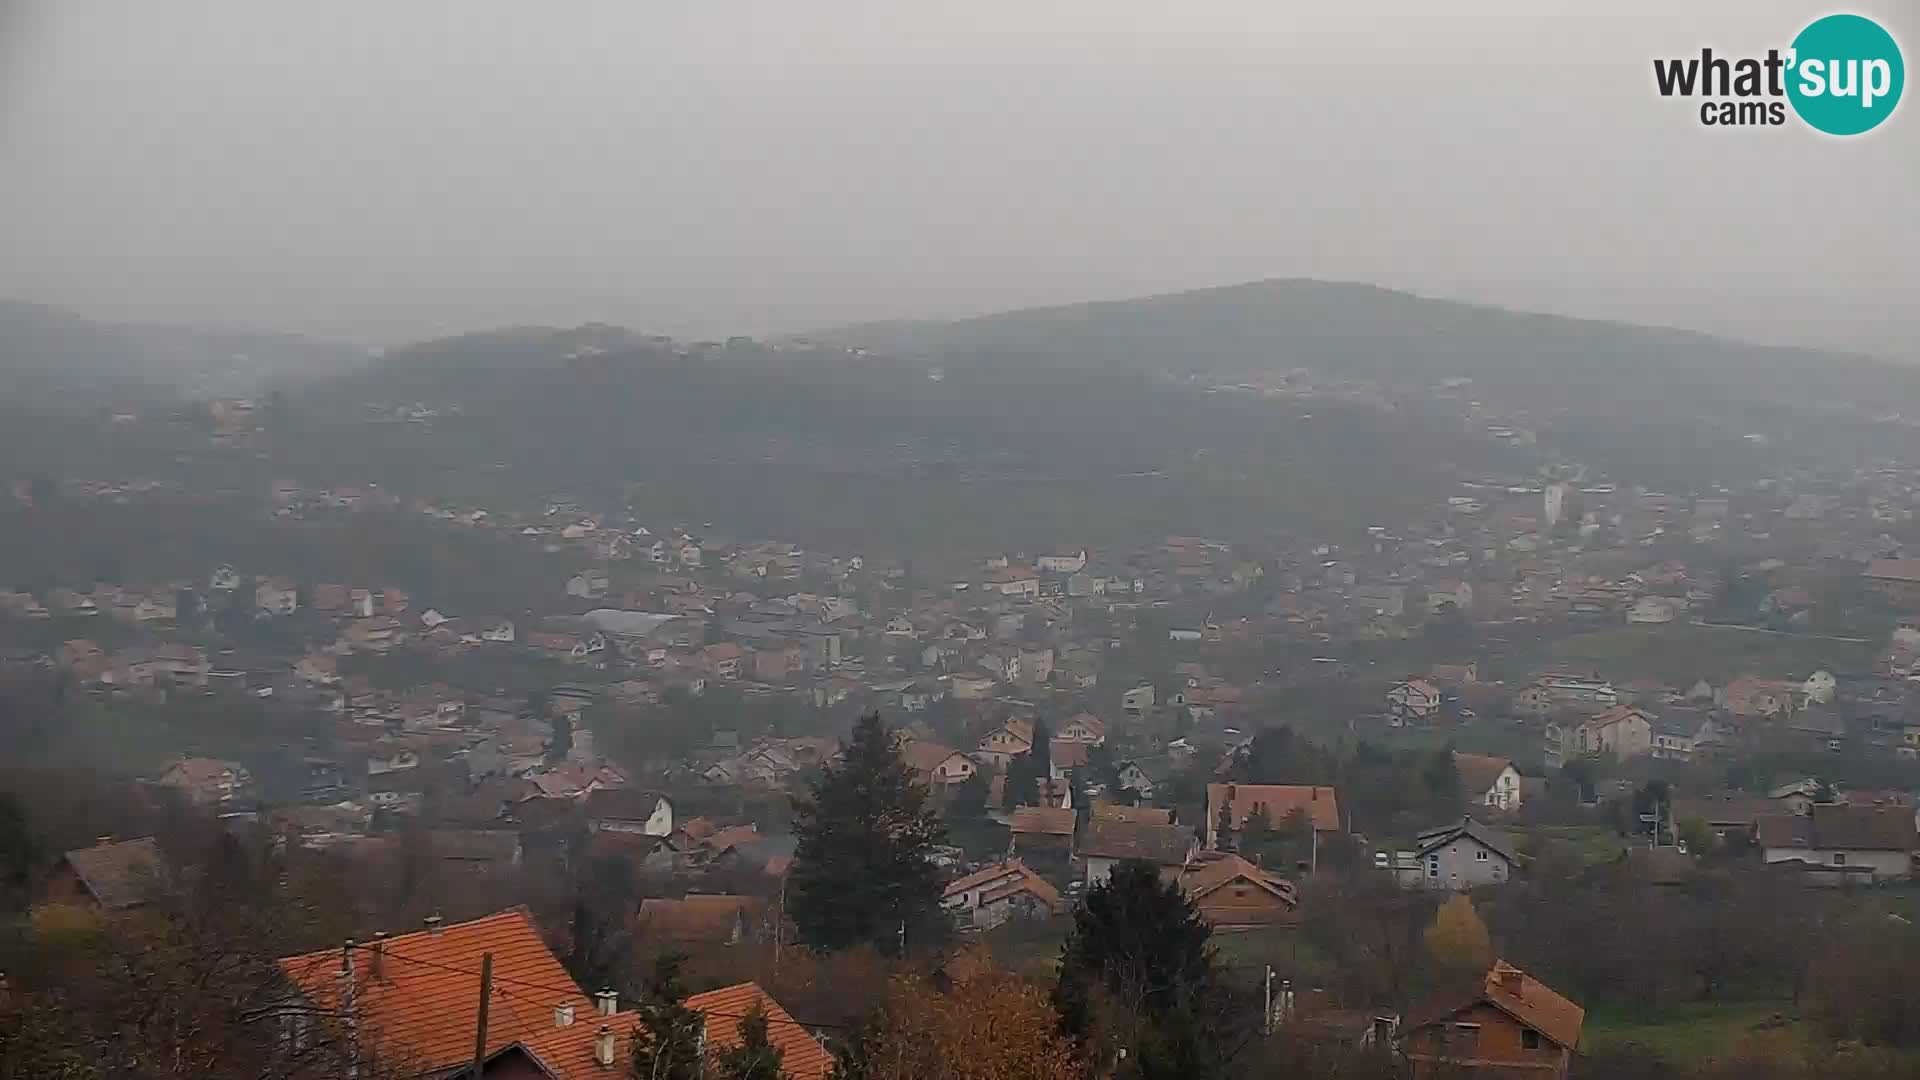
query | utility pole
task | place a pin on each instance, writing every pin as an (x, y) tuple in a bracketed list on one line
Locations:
[(1266, 1011), (779, 923), (480, 1029)]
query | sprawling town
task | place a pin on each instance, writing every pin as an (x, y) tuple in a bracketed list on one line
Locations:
[(1541, 679), (988, 541)]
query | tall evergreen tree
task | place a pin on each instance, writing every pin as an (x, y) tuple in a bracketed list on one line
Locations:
[(1042, 747), (863, 870), (17, 853), (1442, 779), (562, 743), (754, 1057), (1141, 943), (1026, 771), (667, 1044)]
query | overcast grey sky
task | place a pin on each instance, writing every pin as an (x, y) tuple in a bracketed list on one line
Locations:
[(375, 170)]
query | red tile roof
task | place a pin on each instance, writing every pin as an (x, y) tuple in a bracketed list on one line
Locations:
[(567, 1052), (803, 1056), (1068, 754), (1280, 800), (710, 918), (1137, 815), (419, 1006), (1167, 845), (1045, 820), (1027, 881), (1894, 569), (120, 875), (1520, 996), (1531, 1002), (731, 837), (1479, 772), (1199, 879), (1839, 826)]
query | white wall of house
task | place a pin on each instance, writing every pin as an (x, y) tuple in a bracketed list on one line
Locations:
[(1505, 792), (1099, 868), (1887, 865), (1463, 864)]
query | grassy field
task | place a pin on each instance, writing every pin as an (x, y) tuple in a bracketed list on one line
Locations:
[(1685, 1033), (1590, 843), (1679, 654)]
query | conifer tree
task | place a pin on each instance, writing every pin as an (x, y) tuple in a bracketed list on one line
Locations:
[(754, 1057), (1140, 944), (863, 870)]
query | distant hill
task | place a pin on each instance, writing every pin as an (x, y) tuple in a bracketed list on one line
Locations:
[(1365, 331), (51, 356), (870, 451)]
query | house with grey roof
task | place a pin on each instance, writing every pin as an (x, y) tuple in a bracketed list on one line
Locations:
[(1463, 855)]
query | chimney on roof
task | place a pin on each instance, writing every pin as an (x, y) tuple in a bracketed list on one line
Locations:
[(346, 957), (1510, 979), (563, 1015), (379, 952), (433, 924), (603, 1047), (606, 1002)]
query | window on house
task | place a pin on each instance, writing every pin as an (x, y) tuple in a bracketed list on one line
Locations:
[(1839, 858), (1480, 856), (1529, 1039)]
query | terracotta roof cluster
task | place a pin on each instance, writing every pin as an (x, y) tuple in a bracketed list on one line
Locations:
[(120, 875), (567, 1053), (1279, 801), (416, 995)]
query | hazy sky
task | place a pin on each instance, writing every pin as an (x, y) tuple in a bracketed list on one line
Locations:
[(375, 170)]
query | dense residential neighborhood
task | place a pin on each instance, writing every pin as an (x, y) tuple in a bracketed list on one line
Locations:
[(1372, 764), (1449, 707)]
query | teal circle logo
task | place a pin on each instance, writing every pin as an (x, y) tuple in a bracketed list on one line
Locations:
[(1845, 75)]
